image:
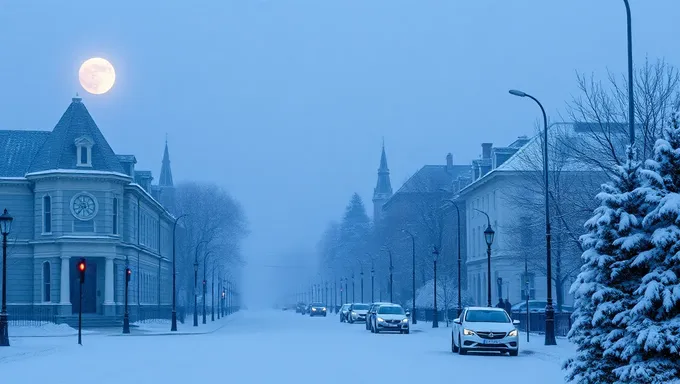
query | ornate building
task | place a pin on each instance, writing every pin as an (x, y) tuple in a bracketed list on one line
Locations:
[(73, 197)]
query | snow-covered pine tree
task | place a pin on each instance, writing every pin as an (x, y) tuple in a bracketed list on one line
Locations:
[(603, 290), (651, 343)]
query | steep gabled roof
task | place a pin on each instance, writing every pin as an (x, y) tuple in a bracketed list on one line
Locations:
[(59, 150), (432, 178), (18, 149)]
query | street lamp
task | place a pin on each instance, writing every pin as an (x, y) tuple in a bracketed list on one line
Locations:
[(196, 291), (413, 255), (488, 237), (353, 289), (173, 326), (5, 228), (460, 304), (549, 310), (346, 291), (631, 105), (205, 281), (435, 320), (362, 283), (126, 314), (372, 283), (389, 252)]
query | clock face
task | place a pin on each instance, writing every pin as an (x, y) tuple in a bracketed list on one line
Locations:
[(84, 206)]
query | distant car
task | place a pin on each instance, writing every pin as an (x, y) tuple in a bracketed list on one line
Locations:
[(357, 312), (317, 309), (391, 318), (300, 308), (344, 312), (371, 313), (485, 329)]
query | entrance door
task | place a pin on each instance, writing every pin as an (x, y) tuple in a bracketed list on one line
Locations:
[(89, 287)]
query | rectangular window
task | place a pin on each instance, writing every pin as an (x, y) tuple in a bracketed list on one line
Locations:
[(47, 280), (47, 214), (83, 155), (115, 216)]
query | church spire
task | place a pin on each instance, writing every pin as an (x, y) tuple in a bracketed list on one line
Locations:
[(383, 187), (166, 174)]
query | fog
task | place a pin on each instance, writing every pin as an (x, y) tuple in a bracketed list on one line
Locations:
[(286, 103)]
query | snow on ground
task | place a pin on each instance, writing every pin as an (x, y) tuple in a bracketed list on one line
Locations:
[(162, 327), (276, 347), (43, 329)]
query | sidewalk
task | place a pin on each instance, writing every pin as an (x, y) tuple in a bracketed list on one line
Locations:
[(162, 327), (44, 329)]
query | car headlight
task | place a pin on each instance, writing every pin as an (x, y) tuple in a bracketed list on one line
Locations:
[(354, 313), (314, 309), (405, 321), (468, 332), (380, 320), (323, 309), (512, 333)]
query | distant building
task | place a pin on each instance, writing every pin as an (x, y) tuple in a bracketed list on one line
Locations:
[(73, 197)]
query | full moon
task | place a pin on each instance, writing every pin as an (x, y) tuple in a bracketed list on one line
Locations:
[(97, 75)]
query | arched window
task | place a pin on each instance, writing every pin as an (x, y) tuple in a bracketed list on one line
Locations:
[(47, 214), (47, 280), (115, 216)]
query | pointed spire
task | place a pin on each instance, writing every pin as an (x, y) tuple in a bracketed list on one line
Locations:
[(383, 188), (166, 174)]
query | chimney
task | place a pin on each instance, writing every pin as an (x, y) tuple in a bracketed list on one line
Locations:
[(449, 162), (486, 150)]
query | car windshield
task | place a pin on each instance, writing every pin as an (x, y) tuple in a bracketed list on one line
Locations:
[(391, 310), (318, 305), (360, 307), (486, 316)]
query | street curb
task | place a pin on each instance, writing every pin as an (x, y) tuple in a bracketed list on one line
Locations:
[(173, 333)]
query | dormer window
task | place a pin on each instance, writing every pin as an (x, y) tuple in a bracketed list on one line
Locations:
[(84, 151)]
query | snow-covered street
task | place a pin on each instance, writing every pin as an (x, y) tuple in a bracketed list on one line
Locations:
[(273, 347)]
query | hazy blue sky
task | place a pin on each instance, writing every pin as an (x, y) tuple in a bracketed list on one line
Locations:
[(285, 102)]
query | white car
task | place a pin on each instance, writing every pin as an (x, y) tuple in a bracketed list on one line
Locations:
[(357, 312), (392, 318), (485, 329)]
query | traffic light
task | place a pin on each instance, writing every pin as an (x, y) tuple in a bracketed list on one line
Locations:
[(128, 274), (81, 269)]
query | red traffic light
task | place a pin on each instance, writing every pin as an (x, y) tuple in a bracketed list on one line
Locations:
[(81, 266)]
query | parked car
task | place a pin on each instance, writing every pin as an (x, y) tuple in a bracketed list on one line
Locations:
[(371, 312), (485, 329), (357, 312), (344, 312), (317, 309), (538, 306), (392, 318)]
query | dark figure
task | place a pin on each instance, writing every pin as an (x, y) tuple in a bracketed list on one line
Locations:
[(500, 303), (508, 307)]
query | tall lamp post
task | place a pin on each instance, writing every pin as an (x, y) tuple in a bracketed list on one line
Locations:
[(335, 294), (389, 252), (353, 287), (196, 291), (173, 325), (435, 319), (631, 105), (488, 237), (205, 281), (346, 291), (372, 283), (212, 294), (549, 310), (5, 228), (460, 299), (413, 256)]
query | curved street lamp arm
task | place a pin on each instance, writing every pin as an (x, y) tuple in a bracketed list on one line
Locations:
[(488, 220)]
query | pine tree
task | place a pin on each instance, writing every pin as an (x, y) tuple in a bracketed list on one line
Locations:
[(354, 231), (651, 343), (603, 291)]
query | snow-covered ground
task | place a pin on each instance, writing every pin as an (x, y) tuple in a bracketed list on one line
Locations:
[(275, 347)]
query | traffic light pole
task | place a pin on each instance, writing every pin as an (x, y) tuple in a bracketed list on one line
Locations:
[(81, 267)]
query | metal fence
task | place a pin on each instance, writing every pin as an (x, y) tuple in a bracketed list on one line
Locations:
[(536, 320), (31, 315)]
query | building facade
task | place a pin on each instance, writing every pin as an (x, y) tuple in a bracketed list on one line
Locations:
[(508, 185), (72, 197)]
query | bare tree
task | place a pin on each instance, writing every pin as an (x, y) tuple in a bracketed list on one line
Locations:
[(602, 107), (215, 223)]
